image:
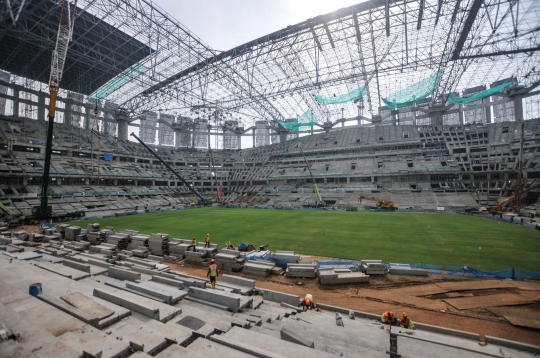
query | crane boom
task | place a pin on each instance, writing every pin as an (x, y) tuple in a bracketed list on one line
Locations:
[(315, 187), (190, 187), (65, 28)]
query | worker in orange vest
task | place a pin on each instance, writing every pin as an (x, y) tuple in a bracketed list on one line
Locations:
[(194, 243), (207, 241), (213, 272), (388, 318), (406, 321), (307, 302)]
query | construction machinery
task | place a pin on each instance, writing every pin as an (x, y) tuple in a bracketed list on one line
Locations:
[(203, 200), (499, 208), (381, 204), (315, 187), (65, 30)]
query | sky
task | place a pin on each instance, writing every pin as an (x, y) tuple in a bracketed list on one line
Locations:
[(225, 24)]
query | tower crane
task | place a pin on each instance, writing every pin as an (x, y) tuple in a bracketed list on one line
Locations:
[(65, 31)]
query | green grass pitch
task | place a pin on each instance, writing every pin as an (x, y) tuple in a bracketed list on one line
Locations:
[(449, 239)]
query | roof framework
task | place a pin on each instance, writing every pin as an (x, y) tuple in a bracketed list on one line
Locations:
[(385, 45)]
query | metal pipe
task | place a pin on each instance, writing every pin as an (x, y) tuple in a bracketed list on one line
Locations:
[(190, 187)]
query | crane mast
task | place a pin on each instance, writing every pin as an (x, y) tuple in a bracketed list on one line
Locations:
[(65, 28)]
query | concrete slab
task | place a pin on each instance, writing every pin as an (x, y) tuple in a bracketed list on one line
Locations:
[(61, 270), (87, 304), (232, 301), (175, 351), (95, 341), (137, 335), (170, 331), (243, 339), (36, 341), (122, 274), (27, 255), (210, 348), (171, 294), (142, 305)]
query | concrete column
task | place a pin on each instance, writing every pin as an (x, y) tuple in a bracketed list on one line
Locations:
[(413, 117), (176, 137), (394, 117), (461, 116), (41, 106), (283, 136), (88, 111), (15, 102), (123, 128), (253, 138), (208, 135), (518, 107), (488, 109), (67, 110), (239, 140)]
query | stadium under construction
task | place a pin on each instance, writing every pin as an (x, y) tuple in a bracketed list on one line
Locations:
[(413, 105)]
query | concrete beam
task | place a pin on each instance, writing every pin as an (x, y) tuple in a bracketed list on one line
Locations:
[(290, 336), (123, 274)]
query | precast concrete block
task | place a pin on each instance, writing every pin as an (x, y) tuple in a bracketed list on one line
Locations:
[(235, 280), (123, 275), (279, 297), (129, 303), (290, 336), (233, 303), (77, 265)]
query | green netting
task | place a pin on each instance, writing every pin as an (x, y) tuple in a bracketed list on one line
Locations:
[(119, 81), (305, 120), (455, 99), (344, 98), (413, 93)]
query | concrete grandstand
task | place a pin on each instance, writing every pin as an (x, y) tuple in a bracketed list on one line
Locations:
[(432, 105)]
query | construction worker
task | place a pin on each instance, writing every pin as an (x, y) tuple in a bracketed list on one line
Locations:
[(307, 302), (194, 243), (388, 318), (406, 321), (213, 272), (207, 241)]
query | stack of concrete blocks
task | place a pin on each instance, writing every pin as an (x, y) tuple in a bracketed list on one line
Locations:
[(36, 237), (159, 244), (283, 258), (5, 240), (141, 251), (82, 236), (108, 250), (258, 268), (178, 247), (70, 232), (198, 258), (304, 270), (96, 227), (341, 276), (77, 246), (405, 269), (137, 241), (61, 228), (373, 267), (229, 262), (120, 240), (211, 250)]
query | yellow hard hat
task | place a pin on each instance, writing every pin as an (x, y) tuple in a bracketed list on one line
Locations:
[(212, 260), (404, 314)]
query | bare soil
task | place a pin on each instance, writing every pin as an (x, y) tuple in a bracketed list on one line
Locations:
[(420, 297)]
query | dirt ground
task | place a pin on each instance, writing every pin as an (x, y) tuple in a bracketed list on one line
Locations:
[(420, 297)]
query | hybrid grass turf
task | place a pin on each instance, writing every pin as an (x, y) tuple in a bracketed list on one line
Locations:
[(446, 239)]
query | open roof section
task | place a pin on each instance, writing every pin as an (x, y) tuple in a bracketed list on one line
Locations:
[(387, 45), (98, 52)]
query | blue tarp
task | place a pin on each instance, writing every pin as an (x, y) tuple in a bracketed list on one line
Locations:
[(108, 156)]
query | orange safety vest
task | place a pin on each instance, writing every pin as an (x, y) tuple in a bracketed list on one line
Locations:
[(213, 269)]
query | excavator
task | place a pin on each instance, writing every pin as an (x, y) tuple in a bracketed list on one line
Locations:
[(381, 204), (499, 208)]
